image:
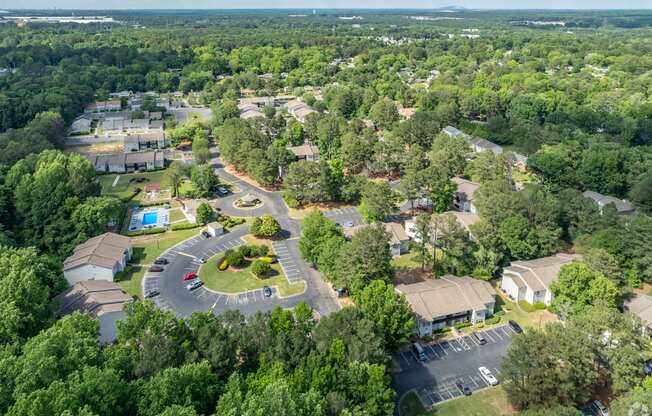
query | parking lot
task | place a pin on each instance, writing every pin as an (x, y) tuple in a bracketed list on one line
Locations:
[(291, 266), (343, 216), (451, 361)]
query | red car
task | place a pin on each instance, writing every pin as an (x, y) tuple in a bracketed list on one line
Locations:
[(155, 269), (190, 276)]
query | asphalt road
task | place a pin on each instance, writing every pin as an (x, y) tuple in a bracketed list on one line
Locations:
[(448, 362), (184, 258)]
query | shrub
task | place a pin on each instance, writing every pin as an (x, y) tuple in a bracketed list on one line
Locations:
[(263, 250), (462, 325), (235, 258), (265, 226), (267, 259), (539, 306), (223, 265), (248, 251), (230, 222), (493, 320), (526, 306), (260, 268), (146, 231), (183, 226), (205, 213)]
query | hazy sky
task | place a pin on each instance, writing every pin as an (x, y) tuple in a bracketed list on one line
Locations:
[(240, 4)]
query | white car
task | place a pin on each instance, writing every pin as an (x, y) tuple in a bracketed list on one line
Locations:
[(486, 374), (602, 409)]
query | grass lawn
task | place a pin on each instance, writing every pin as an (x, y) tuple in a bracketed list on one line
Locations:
[(146, 250), (176, 215), (407, 261), (524, 319), (186, 188), (126, 184), (488, 402), (242, 280)]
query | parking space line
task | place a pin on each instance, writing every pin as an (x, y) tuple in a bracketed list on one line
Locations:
[(433, 350), (441, 348), (483, 380), (504, 329), (472, 338), (489, 336), (493, 331)]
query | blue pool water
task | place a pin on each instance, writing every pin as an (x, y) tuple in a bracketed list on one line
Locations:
[(150, 218)]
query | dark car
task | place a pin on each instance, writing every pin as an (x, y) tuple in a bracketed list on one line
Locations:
[(463, 388), (647, 368), (516, 327), (267, 291), (152, 293), (205, 234), (155, 269), (161, 261), (222, 191)]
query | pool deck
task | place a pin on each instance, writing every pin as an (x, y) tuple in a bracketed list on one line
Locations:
[(141, 218)]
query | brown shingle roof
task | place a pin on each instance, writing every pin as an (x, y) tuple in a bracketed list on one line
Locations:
[(465, 187), (641, 306), (304, 150), (436, 298), (104, 250), (539, 274), (395, 230), (95, 297)]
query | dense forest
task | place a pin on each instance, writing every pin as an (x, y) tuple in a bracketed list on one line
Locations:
[(575, 97)]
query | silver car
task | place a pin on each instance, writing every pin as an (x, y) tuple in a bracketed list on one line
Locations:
[(194, 284)]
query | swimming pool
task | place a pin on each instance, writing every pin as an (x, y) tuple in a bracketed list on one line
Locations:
[(150, 218)]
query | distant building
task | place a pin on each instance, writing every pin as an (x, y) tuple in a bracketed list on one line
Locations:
[(248, 113), (530, 280), (622, 206), (81, 125), (482, 145), (144, 141), (99, 258), (465, 194), (299, 110), (641, 306), (305, 152), (477, 145), (464, 219), (519, 161), (398, 239), (101, 300), (98, 106), (128, 162), (451, 131), (448, 301)]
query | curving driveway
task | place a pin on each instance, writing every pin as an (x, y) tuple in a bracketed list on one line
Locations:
[(184, 258)]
